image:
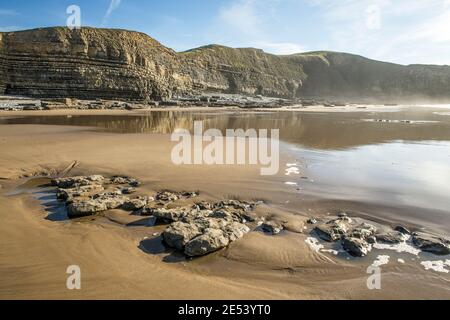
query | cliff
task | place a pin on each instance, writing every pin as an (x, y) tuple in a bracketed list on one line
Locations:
[(88, 63), (118, 64)]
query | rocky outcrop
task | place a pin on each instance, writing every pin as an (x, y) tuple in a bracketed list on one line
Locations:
[(246, 70), (117, 64), (431, 243), (89, 63)]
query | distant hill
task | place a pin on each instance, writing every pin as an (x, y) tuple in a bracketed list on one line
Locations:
[(120, 64)]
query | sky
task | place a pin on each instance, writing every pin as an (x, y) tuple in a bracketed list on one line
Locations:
[(399, 31)]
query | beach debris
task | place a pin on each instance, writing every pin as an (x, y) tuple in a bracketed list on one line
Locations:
[(430, 243), (311, 221)]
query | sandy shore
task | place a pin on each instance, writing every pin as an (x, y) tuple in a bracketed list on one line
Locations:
[(318, 108), (35, 252)]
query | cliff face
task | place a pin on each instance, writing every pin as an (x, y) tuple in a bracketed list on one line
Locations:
[(117, 64), (345, 76), (2, 67), (248, 71), (89, 63)]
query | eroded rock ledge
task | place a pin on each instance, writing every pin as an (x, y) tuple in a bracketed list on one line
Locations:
[(358, 239), (203, 227)]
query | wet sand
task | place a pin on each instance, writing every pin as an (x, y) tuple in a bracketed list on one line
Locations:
[(123, 262)]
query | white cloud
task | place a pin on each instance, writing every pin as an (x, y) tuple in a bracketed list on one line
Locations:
[(242, 16), (402, 31), (247, 23), (113, 5), (280, 48)]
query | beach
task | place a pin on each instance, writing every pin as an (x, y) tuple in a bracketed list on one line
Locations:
[(120, 259)]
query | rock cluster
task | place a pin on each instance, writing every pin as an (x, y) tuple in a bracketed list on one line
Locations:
[(358, 239), (89, 195), (204, 227), (196, 229)]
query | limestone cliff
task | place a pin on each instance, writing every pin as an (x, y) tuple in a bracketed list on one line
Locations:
[(118, 64), (89, 63), (247, 70), (2, 67)]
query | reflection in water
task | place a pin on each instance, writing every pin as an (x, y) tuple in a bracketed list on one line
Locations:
[(396, 174), (312, 130), (350, 156)]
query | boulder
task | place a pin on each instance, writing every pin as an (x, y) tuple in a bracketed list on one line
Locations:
[(85, 208), (430, 243), (334, 229), (363, 231), (211, 240), (236, 230), (402, 229), (124, 180), (178, 234), (66, 183), (393, 237), (134, 204), (111, 200), (356, 247), (168, 196), (127, 190), (80, 191), (169, 215)]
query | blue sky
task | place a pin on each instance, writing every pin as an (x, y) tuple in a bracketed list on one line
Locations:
[(401, 31)]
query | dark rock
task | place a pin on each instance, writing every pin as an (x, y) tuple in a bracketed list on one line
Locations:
[(134, 204), (402, 229), (334, 229), (430, 243), (272, 227), (363, 231), (391, 237), (356, 247)]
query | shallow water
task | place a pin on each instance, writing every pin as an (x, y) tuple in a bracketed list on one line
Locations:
[(395, 159)]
